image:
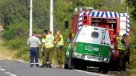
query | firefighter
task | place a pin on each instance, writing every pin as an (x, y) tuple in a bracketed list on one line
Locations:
[(128, 50), (122, 48), (59, 42), (33, 43), (43, 48), (125, 42), (49, 46)]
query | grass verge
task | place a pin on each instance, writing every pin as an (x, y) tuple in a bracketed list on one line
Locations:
[(5, 53)]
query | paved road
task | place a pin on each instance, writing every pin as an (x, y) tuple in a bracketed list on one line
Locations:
[(17, 68)]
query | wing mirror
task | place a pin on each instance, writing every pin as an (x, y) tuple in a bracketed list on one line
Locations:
[(69, 40), (66, 24)]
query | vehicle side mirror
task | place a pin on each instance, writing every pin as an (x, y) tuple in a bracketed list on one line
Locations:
[(66, 24), (69, 40)]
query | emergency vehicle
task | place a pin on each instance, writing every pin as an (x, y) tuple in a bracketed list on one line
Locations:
[(94, 39)]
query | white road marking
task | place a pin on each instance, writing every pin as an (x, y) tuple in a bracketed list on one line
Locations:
[(91, 73), (2, 69), (7, 72), (10, 74), (22, 61)]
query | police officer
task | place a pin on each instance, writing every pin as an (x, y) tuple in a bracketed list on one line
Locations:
[(43, 48), (59, 42), (33, 43), (49, 46)]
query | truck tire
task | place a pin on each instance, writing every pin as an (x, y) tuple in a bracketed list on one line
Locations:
[(124, 67), (123, 64), (104, 68)]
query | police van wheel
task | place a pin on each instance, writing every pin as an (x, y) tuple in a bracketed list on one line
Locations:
[(65, 66), (76, 66), (83, 67)]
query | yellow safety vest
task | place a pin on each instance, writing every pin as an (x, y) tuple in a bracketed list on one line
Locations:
[(61, 42), (120, 45), (49, 41)]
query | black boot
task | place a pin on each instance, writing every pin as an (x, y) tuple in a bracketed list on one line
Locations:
[(37, 65), (31, 65), (50, 66), (42, 66)]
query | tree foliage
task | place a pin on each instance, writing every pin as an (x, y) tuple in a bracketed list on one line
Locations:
[(19, 10), (132, 4)]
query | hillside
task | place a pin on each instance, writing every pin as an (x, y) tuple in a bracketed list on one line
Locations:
[(5, 53)]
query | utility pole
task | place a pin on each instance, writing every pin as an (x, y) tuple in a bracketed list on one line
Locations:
[(127, 9), (31, 14), (51, 16)]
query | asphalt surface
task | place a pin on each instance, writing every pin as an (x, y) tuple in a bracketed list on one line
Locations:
[(17, 68)]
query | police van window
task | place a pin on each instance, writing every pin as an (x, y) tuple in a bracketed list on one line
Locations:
[(75, 38), (94, 34)]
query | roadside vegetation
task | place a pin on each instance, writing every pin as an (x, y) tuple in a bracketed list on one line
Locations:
[(5, 53), (14, 16)]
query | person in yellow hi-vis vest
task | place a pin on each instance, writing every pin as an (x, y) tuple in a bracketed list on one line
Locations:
[(122, 49), (59, 42), (49, 46), (43, 48)]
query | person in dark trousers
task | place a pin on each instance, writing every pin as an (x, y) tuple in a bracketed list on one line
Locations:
[(123, 52), (34, 43), (125, 42)]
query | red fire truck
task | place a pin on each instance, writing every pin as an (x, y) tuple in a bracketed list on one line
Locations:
[(116, 23)]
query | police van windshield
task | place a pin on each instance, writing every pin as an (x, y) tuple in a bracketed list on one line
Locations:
[(92, 35), (88, 35)]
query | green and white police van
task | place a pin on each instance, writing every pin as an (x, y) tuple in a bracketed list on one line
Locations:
[(90, 47)]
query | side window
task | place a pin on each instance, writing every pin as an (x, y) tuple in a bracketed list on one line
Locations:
[(76, 36), (94, 34)]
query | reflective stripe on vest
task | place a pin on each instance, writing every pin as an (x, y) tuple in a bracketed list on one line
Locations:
[(120, 45), (61, 42), (49, 41)]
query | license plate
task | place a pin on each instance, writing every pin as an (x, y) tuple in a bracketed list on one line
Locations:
[(91, 58)]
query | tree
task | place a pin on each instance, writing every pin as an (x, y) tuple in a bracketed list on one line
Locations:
[(19, 10), (132, 3)]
